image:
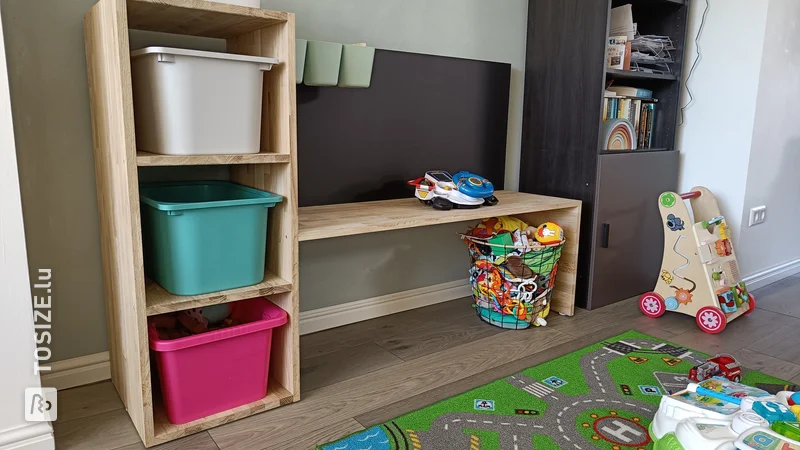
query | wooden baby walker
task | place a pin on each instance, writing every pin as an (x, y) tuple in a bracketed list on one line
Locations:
[(699, 275)]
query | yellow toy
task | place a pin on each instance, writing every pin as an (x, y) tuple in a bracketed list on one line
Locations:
[(549, 233), (699, 274)]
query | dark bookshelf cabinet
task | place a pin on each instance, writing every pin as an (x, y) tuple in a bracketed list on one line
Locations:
[(562, 154)]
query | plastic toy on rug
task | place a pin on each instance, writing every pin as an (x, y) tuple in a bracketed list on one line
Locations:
[(699, 273), (719, 414), (512, 274), (444, 192), (723, 365)]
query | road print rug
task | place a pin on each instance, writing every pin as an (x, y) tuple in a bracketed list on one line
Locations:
[(600, 397)]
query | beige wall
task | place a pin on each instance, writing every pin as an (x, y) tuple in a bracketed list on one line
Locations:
[(47, 72), (49, 98)]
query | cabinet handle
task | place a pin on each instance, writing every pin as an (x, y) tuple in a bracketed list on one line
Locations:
[(604, 235)]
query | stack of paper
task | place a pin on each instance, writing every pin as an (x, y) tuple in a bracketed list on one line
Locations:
[(622, 22)]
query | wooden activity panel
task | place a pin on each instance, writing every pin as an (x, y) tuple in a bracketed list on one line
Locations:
[(699, 274)]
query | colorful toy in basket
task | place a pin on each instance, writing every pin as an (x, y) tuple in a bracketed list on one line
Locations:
[(444, 192), (512, 275), (699, 273), (720, 414)]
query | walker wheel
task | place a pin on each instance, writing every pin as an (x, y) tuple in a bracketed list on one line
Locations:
[(652, 304), (711, 320), (752, 302)]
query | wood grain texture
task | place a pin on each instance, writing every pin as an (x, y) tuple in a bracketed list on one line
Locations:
[(321, 222), (159, 301), (86, 401), (146, 159), (111, 99), (199, 17), (199, 441), (744, 332), (343, 364), (358, 395), (166, 431), (564, 291), (769, 365), (352, 335), (279, 135), (782, 343), (564, 81), (105, 431), (425, 341), (421, 400)]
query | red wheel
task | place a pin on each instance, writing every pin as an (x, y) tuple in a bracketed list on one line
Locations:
[(652, 305), (711, 320), (752, 302)]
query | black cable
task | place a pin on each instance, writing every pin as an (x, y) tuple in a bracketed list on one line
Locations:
[(696, 60)]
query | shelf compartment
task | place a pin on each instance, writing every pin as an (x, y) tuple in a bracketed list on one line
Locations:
[(622, 152), (166, 431), (147, 159), (159, 301), (327, 221), (631, 75), (199, 18)]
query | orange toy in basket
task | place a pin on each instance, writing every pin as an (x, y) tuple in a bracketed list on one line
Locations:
[(699, 274)]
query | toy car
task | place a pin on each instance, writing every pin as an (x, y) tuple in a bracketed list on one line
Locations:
[(438, 189), (723, 365)]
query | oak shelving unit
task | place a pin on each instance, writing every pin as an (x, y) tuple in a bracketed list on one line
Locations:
[(130, 297)]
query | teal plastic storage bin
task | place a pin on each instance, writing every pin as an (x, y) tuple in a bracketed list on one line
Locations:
[(204, 236)]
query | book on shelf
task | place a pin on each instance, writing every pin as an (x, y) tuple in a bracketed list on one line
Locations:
[(616, 52), (640, 112), (627, 91)]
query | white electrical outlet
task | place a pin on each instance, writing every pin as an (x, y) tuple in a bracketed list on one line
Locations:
[(758, 215)]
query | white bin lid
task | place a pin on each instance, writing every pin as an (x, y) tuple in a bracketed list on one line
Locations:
[(203, 54)]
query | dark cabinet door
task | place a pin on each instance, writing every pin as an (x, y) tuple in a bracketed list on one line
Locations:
[(628, 236)]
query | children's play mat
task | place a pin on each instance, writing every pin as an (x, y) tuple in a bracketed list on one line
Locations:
[(602, 396)]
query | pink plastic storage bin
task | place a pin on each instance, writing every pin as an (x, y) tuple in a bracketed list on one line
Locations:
[(211, 372)]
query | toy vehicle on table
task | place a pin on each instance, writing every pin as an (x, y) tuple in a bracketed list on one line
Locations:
[(699, 273), (721, 365), (444, 192)]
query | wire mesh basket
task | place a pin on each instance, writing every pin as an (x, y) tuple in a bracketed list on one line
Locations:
[(512, 284)]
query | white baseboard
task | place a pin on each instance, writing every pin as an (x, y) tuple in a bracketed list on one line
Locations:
[(78, 371), (370, 308), (34, 436), (771, 275)]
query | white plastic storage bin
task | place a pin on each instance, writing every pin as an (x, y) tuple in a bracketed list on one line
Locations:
[(189, 102)]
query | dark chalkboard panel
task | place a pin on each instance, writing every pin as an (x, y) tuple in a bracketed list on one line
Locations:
[(422, 112)]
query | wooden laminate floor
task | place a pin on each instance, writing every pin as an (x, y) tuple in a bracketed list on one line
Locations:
[(359, 375)]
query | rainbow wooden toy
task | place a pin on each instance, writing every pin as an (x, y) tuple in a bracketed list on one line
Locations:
[(699, 274)]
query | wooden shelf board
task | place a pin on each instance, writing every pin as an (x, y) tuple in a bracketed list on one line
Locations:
[(144, 159), (629, 74), (622, 152), (166, 431), (199, 18), (159, 301), (321, 222)]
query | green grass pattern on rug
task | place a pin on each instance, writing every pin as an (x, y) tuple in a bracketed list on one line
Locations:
[(559, 404)]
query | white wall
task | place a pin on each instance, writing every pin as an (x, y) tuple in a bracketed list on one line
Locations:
[(336, 271), (16, 333), (715, 137), (772, 178)]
